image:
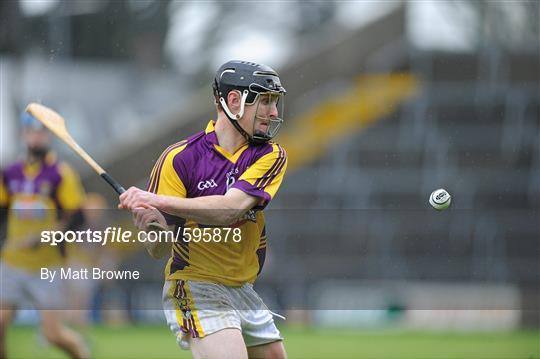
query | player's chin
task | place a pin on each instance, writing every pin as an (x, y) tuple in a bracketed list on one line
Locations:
[(261, 131)]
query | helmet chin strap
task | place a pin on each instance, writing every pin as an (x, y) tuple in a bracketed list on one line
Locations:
[(234, 118)]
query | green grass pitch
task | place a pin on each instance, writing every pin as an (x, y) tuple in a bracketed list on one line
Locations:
[(156, 342)]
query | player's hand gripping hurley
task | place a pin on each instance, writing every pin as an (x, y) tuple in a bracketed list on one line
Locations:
[(55, 123)]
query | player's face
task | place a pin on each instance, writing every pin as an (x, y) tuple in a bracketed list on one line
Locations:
[(266, 111), (36, 139), (262, 117)]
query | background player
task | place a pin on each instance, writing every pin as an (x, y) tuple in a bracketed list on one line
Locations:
[(223, 176), (37, 193)]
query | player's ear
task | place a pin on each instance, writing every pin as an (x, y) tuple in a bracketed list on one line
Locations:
[(233, 101)]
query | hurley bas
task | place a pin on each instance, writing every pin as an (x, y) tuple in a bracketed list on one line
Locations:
[(86, 273)]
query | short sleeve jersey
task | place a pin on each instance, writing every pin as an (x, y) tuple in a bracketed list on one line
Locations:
[(34, 194), (198, 167)]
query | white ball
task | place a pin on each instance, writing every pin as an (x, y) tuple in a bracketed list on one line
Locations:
[(440, 199)]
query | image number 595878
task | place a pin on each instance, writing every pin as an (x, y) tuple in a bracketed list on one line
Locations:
[(215, 234)]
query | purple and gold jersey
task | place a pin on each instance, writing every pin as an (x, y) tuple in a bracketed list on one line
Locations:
[(198, 167), (34, 193)]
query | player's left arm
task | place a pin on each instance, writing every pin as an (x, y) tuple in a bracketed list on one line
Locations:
[(255, 188)]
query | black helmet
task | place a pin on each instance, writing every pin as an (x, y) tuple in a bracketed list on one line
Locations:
[(251, 80)]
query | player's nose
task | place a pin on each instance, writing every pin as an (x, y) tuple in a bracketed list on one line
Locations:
[(274, 110)]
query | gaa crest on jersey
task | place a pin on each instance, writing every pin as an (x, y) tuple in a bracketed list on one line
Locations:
[(230, 177), (230, 182), (202, 185)]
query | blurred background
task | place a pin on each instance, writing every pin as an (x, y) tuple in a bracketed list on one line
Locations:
[(386, 102)]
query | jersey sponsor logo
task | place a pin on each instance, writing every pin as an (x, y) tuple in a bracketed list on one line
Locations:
[(207, 184), (30, 187)]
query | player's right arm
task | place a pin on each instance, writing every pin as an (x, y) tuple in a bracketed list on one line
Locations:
[(255, 188), (217, 210)]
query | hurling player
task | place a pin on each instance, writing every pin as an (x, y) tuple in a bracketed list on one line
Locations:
[(216, 183), (38, 193)]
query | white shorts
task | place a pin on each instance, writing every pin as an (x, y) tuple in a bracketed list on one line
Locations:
[(20, 288), (200, 308)]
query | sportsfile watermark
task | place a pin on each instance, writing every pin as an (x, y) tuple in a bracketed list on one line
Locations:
[(389, 260), (120, 235)]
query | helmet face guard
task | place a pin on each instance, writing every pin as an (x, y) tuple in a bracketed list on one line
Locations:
[(267, 121), (258, 84)]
